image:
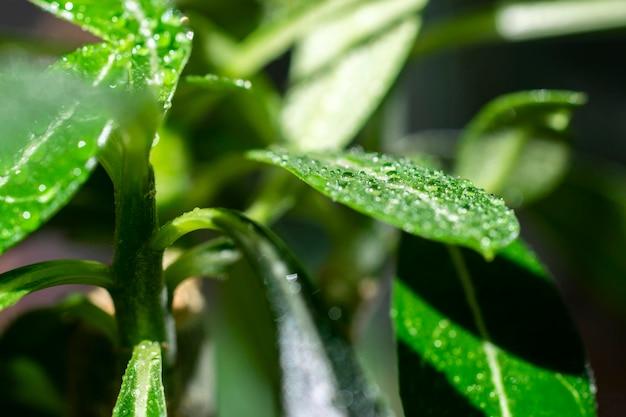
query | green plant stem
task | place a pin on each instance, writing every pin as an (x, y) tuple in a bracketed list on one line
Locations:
[(140, 296)]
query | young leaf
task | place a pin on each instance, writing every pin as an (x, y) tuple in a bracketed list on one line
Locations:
[(320, 374), (343, 68), (418, 200), (142, 393), (517, 146), (19, 282), (484, 339)]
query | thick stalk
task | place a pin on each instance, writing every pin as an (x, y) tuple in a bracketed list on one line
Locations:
[(139, 296)]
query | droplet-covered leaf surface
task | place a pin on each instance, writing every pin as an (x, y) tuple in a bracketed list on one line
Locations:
[(482, 339), (518, 146), (147, 43), (51, 126), (142, 393), (418, 200), (56, 122)]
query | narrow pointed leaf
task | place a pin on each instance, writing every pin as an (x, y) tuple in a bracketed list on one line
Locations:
[(320, 373), (142, 393), (343, 68), (485, 339), (19, 282), (518, 145), (419, 200)]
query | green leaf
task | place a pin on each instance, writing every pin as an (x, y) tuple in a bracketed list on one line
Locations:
[(19, 282), (147, 43), (518, 145), (142, 393), (485, 339), (320, 374), (343, 68), (521, 20), (418, 200), (540, 19), (40, 167), (49, 147)]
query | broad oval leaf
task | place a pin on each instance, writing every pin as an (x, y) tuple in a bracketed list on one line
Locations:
[(343, 68), (518, 144), (320, 374), (418, 200), (142, 393), (485, 339)]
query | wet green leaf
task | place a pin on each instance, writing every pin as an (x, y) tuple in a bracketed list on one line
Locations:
[(19, 282), (343, 68), (147, 43), (418, 200), (314, 357), (58, 120), (52, 124), (484, 339), (518, 145), (142, 393)]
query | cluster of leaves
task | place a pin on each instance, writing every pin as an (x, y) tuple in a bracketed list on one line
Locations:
[(468, 341)]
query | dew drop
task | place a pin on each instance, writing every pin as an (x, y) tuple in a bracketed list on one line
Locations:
[(343, 399), (334, 313), (26, 215)]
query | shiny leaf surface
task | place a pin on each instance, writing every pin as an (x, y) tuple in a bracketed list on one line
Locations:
[(518, 145), (142, 393), (146, 43), (418, 200), (485, 339), (50, 148), (52, 124), (343, 68), (320, 374)]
